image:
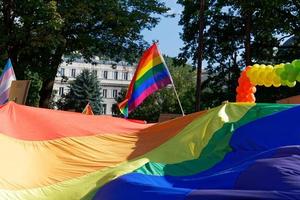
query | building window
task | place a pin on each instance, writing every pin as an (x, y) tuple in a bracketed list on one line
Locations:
[(105, 74), (104, 93), (115, 93), (61, 91), (62, 71), (125, 76), (73, 72), (116, 75), (104, 109)]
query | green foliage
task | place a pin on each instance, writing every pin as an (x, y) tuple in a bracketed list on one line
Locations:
[(33, 98), (184, 77), (84, 89), (36, 34), (235, 30), (164, 100)]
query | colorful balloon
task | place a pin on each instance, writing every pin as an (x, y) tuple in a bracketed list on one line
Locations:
[(266, 75)]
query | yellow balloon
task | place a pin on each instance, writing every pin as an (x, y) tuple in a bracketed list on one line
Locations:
[(254, 77), (273, 76), (269, 74), (250, 72), (259, 80), (263, 76), (256, 66), (268, 84), (276, 84), (262, 70), (262, 66), (269, 67), (276, 80), (252, 81)]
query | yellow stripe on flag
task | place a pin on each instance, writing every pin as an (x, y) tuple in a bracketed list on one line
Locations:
[(153, 62)]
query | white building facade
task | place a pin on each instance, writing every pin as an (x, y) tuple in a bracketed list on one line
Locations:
[(113, 78)]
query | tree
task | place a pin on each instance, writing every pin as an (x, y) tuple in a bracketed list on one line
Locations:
[(238, 33), (200, 53), (83, 90), (33, 97), (223, 39), (36, 34), (184, 77)]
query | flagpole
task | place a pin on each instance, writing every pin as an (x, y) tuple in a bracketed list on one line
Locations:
[(172, 82), (177, 97)]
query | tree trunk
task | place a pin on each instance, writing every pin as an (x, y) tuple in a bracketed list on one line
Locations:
[(200, 53), (48, 82), (46, 92), (248, 21)]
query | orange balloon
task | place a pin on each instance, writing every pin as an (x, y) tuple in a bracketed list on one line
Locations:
[(242, 80), (246, 85), (244, 73), (245, 90), (238, 89), (251, 98), (253, 89)]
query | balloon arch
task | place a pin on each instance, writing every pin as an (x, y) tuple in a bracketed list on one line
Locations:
[(266, 75)]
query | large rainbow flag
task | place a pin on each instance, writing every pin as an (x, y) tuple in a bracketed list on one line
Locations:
[(234, 151), (151, 74)]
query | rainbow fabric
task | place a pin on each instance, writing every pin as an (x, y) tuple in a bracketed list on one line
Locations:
[(7, 76), (151, 74), (234, 151)]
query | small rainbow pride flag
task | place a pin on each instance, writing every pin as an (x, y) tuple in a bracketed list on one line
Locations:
[(151, 74), (88, 110)]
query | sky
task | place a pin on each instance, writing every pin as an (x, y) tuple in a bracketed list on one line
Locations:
[(167, 31)]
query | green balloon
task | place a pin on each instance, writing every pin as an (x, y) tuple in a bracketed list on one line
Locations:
[(296, 64), (284, 75), (278, 71), (296, 69), (291, 84), (298, 77), (284, 82), (288, 67), (292, 75)]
